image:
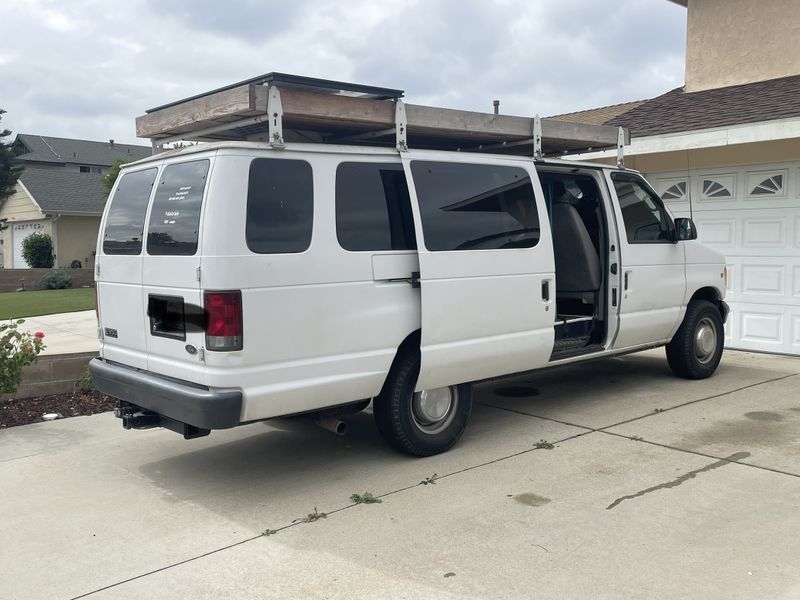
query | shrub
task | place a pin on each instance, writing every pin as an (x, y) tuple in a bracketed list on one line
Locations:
[(37, 251), (17, 350), (56, 280)]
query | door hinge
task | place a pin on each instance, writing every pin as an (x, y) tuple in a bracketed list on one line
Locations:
[(198, 274), (97, 270), (201, 354)]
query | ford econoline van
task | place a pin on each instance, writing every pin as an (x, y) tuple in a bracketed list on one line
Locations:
[(239, 281)]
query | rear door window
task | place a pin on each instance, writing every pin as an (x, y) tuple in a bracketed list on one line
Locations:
[(475, 207), (125, 220), (175, 217), (373, 209), (280, 206)]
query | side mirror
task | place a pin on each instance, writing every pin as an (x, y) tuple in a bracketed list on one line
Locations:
[(685, 229)]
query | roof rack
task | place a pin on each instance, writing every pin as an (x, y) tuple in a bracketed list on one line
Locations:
[(277, 108)]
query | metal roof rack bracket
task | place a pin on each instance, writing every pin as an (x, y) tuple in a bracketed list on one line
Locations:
[(401, 125), (620, 146), (537, 138), (275, 112)]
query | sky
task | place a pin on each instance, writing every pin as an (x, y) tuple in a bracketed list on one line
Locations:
[(87, 68)]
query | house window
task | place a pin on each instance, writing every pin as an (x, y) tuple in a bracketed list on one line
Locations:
[(84, 169), (770, 186), (714, 189), (675, 192), (90, 169)]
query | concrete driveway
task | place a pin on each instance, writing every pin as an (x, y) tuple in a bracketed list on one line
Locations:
[(656, 488)]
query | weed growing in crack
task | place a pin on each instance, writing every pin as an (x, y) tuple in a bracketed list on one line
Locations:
[(365, 498), (544, 445), (430, 480), (268, 532), (311, 517)]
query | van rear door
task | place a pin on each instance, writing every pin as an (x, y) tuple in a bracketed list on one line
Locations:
[(119, 268), (170, 292), (487, 269)]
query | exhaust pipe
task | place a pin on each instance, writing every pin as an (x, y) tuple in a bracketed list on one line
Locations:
[(331, 423)]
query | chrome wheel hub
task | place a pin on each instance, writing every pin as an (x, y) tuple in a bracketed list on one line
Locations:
[(433, 410), (705, 340)]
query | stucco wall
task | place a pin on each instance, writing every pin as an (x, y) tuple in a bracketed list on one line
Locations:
[(76, 239), (730, 42)]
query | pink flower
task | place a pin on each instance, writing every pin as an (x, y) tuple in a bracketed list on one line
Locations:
[(38, 334)]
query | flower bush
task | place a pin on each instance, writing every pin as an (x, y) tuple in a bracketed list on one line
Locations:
[(17, 350)]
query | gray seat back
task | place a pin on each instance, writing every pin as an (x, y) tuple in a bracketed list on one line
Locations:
[(577, 263)]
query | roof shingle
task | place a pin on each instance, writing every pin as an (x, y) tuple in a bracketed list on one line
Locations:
[(64, 150), (59, 191), (678, 111)]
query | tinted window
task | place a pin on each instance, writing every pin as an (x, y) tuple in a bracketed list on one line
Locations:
[(280, 206), (125, 220), (373, 210), (175, 218), (644, 216), (471, 207)]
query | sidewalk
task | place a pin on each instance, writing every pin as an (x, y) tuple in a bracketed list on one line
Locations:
[(66, 333)]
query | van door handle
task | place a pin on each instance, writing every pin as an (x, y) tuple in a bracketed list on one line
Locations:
[(413, 280), (546, 290), (625, 280)]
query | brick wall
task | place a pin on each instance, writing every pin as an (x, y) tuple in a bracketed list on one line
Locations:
[(52, 374), (10, 278)]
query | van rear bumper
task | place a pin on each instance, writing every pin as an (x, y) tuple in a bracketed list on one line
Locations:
[(182, 401)]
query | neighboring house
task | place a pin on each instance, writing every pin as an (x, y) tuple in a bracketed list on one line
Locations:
[(59, 193), (725, 148)]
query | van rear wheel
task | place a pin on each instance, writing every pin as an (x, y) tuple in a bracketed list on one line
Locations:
[(420, 423), (696, 348)]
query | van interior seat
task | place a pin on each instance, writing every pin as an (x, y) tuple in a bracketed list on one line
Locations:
[(577, 261)]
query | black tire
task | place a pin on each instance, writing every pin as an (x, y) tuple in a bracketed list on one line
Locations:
[(397, 411), (696, 348)]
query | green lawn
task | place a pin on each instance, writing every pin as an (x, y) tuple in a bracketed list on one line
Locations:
[(45, 302)]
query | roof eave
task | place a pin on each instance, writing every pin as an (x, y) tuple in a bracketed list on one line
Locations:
[(716, 137)]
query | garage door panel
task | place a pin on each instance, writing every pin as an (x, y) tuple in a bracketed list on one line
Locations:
[(757, 228)]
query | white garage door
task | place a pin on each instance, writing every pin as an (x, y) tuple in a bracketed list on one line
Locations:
[(19, 231), (751, 215)]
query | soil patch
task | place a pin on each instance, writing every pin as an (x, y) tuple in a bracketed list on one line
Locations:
[(23, 411)]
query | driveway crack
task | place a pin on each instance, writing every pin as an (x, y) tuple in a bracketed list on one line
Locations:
[(682, 479)]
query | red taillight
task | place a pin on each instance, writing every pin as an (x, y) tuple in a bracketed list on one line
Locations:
[(223, 320)]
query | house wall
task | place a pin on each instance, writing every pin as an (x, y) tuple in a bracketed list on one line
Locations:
[(729, 42), (17, 207), (76, 239)]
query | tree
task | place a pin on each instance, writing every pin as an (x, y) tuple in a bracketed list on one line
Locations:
[(9, 167), (110, 177), (37, 251)]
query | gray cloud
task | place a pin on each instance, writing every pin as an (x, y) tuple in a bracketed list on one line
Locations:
[(81, 69)]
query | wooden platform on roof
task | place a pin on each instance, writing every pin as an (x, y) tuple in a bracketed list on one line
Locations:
[(349, 113)]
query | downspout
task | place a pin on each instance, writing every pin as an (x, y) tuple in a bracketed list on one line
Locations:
[(55, 239)]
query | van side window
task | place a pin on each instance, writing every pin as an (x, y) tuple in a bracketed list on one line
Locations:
[(373, 209), (646, 221), (125, 220), (280, 206), (475, 207), (175, 217)]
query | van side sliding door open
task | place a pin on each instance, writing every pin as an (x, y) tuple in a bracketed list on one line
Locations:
[(486, 268)]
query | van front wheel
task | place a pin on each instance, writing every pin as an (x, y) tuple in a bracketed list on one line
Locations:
[(420, 423), (696, 349)]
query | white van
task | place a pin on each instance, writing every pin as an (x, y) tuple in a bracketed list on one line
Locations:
[(245, 280), (240, 281)]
